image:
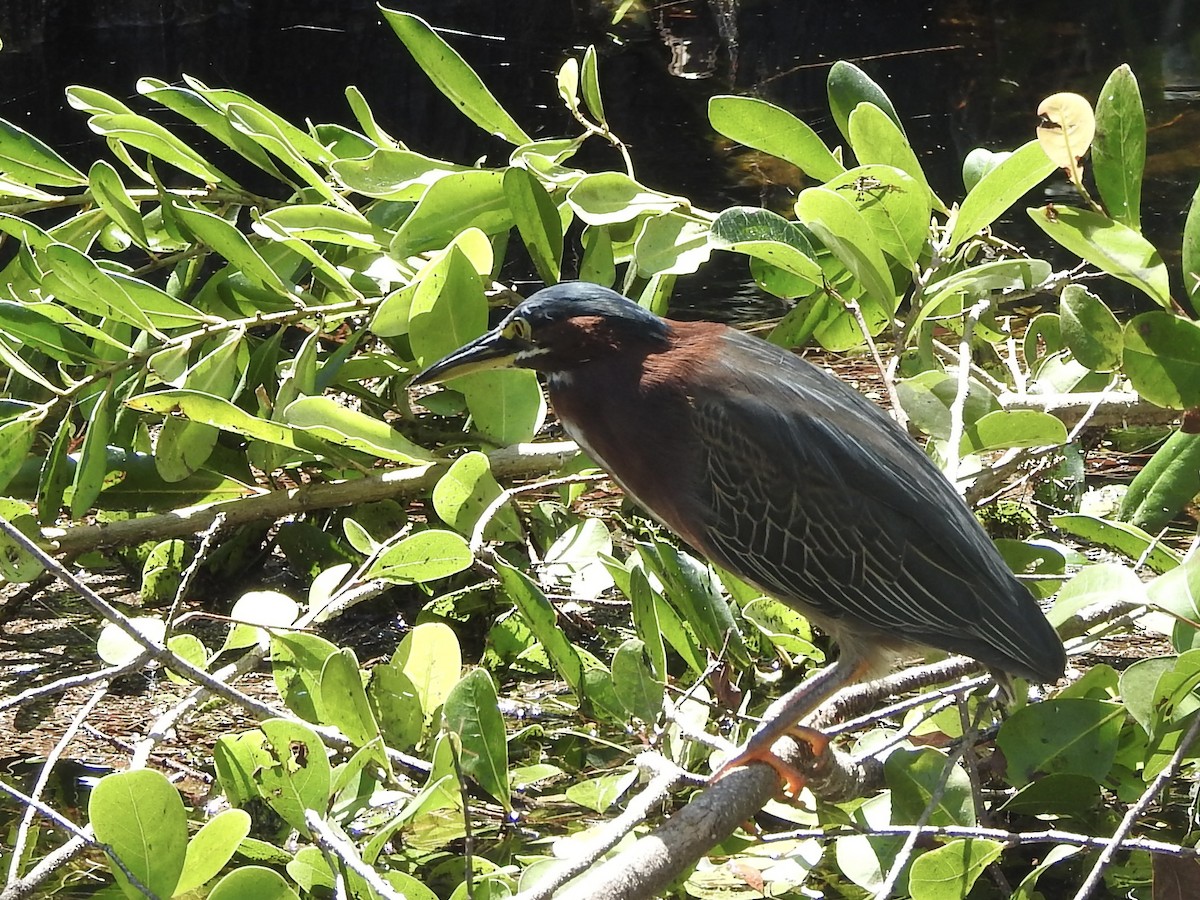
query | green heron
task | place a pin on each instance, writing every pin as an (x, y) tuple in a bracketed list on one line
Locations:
[(779, 472)]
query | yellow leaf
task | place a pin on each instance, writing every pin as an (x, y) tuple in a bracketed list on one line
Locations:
[(1066, 126)]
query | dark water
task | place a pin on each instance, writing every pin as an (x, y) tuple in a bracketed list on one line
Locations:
[(962, 74)]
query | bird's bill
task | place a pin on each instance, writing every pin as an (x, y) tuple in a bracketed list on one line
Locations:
[(492, 351)]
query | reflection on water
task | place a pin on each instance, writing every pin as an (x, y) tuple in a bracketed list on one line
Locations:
[(962, 74)]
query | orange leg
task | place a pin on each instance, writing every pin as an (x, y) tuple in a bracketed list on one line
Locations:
[(783, 718)]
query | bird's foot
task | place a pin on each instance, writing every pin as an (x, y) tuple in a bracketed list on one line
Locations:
[(758, 749)]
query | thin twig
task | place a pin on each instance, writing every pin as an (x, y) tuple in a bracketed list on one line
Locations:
[(343, 851), (1116, 842), (81, 839), (18, 849)]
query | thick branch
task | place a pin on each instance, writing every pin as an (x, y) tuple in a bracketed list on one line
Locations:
[(517, 461)]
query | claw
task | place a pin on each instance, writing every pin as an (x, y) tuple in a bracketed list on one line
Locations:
[(758, 750)]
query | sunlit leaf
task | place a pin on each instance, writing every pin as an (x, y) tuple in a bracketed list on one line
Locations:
[(1066, 126), (1161, 356), (1119, 152), (453, 77), (999, 188), (1073, 735), (1089, 329), (140, 815), (328, 419), (764, 126), (1115, 248), (472, 712), (1164, 485)]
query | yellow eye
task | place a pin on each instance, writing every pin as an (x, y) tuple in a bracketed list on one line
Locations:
[(518, 329)]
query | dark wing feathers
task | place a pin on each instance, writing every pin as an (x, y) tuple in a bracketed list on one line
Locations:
[(815, 495)]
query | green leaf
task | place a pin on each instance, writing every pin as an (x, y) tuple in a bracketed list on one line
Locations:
[(298, 776), (226, 240), (914, 776), (1178, 592), (895, 205), (344, 699), (1115, 248), (1119, 150), (110, 193), (927, 398), (453, 203), (762, 234), (209, 115), (31, 325), (1000, 188), (590, 82), (598, 794), (328, 419), (848, 86), (216, 411), (366, 118), (1089, 329), (424, 556), (633, 679), (324, 224), (1073, 735), (959, 291), (671, 245), (286, 142), (88, 479), (472, 712), (609, 198), (543, 621), (393, 174), (764, 126), (150, 137), (877, 138), (56, 471), (1055, 795), (1191, 251), (537, 220), (978, 163), (297, 660), (26, 159), (259, 608), (117, 647), (140, 815), (842, 229), (598, 265), (1128, 540), (1161, 356), (1004, 428), (397, 706), (466, 491), (453, 77), (690, 586), (16, 564), (16, 440), (1164, 485), (950, 871), (211, 848), (78, 281), (431, 658), (1097, 583), (253, 881)]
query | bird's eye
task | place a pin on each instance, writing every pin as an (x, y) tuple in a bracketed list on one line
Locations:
[(518, 329)]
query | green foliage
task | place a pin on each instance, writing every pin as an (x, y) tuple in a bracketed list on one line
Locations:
[(169, 338)]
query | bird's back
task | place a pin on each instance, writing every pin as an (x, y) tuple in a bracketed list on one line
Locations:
[(789, 478)]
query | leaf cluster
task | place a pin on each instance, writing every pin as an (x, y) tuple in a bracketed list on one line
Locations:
[(177, 347)]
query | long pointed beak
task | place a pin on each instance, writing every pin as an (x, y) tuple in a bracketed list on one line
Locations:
[(491, 351)]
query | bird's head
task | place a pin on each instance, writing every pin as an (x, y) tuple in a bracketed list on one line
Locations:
[(556, 330)]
